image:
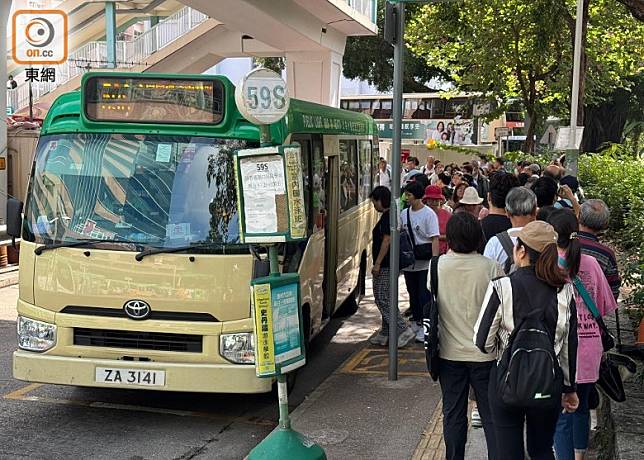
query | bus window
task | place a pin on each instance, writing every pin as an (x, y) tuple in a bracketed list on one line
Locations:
[(348, 175), (365, 170), (382, 109), (305, 144), (354, 106), (455, 107), (424, 110), (411, 105), (344, 104), (438, 108), (318, 181), (365, 106)]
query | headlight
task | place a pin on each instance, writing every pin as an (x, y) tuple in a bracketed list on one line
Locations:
[(35, 335), (238, 348)]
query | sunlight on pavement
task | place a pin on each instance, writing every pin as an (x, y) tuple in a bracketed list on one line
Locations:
[(8, 299)]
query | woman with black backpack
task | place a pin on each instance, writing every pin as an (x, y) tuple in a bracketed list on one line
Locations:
[(529, 319)]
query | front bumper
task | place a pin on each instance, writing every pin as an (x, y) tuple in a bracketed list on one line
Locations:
[(206, 378)]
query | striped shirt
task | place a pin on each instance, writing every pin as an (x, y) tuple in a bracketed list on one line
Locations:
[(591, 246), (506, 304)]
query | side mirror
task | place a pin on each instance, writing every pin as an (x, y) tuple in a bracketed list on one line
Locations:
[(14, 218)]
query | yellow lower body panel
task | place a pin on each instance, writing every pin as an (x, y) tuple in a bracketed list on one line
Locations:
[(205, 378)]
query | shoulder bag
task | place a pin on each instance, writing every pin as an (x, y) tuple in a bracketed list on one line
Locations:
[(421, 251), (430, 323)]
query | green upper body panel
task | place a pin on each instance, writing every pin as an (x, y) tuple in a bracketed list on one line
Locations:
[(65, 116)]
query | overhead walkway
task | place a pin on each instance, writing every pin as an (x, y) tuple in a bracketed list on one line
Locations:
[(180, 43), (309, 34)]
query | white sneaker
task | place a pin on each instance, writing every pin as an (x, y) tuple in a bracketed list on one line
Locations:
[(416, 326), (405, 337), (379, 339), (476, 418), (420, 335)]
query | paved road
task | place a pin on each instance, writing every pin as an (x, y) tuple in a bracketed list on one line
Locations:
[(58, 422)]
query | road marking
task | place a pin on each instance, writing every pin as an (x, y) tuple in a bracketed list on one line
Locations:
[(22, 394), (432, 445), (411, 362)]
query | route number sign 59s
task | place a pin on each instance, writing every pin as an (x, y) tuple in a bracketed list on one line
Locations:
[(262, 97)]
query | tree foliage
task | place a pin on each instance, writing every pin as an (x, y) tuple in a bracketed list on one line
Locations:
[(371, 59), (636, 7), (509, 49)]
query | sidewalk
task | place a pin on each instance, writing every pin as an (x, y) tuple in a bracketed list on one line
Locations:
[(8, 276), (358, 413)]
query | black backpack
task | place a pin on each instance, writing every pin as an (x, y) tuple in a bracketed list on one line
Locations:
[(508, 247), (529, 375)]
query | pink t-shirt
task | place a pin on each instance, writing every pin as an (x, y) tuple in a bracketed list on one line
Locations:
[(590, 350), (443, 216)]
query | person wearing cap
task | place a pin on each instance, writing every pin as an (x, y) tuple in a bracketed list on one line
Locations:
[(470, 203), (571, 437), (434, 198), (538, 283), (533, 169)]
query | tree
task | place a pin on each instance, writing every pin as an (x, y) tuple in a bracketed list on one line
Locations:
[(509, 49), (636, 7), (371, 59), (502, 49)]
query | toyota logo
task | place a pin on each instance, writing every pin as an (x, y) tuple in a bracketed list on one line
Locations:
[(137, 309)]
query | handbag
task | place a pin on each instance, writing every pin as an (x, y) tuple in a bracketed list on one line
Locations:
[(421, 251), (430, 324), (406, 256), (610, 379), (608, 341)]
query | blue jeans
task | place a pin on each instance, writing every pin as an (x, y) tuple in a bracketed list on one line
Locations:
[(573, 428)]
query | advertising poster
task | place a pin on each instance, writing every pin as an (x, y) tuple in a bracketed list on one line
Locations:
[(286, 323), (278, 328), (264, 355), (295, 192)]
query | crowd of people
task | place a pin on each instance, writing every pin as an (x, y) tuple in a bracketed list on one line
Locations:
[(518, 261)]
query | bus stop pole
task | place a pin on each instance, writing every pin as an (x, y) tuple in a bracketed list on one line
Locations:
[(282, 387), (395, 189)]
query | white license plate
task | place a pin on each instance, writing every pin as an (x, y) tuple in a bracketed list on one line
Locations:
[(119, 376)]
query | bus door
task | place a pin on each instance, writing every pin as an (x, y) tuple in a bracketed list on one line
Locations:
[(331, 231)]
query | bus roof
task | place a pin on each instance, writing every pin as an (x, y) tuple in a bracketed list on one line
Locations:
[(64, 116)]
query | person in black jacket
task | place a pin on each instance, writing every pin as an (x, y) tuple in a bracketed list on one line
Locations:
[(505, 305)]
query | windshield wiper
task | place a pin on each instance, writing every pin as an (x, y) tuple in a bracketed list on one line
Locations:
[(73, 244), (151, 251)]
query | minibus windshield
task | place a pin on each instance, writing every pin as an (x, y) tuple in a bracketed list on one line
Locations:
[(159, 191)]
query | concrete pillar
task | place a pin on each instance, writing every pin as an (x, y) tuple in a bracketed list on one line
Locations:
[(110, 33), (5, 8), (314, 76)]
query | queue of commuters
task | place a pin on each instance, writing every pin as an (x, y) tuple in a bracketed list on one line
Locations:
[(522, 282)]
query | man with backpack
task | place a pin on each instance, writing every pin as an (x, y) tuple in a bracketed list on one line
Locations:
[(521, 208), (529, 320)]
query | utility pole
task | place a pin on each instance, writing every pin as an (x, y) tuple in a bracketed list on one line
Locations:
[(5, 8), (395, 30), (572, 156)]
